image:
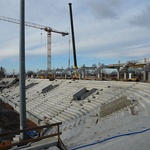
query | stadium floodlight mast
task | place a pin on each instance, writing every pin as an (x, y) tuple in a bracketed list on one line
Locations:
[(22, 70)]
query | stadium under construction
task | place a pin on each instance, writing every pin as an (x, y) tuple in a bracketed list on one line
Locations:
[(88, 114), (76, 108)]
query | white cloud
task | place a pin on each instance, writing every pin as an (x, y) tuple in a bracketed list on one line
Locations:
[(142, 19), (103, 29), (105, 9)]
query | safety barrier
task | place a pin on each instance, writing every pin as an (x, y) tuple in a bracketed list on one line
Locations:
[(7, 145)]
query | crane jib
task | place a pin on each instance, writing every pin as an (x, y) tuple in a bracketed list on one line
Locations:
[(41, 27)]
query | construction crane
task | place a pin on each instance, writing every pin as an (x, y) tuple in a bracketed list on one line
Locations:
[(73, 42), (73, 37), (42, 27)]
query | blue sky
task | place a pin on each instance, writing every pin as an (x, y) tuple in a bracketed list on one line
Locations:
[(105, 31)]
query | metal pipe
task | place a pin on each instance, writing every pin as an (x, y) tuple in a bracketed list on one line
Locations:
[(22, 70)]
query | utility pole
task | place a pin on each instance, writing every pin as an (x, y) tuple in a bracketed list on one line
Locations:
[(22, 70)]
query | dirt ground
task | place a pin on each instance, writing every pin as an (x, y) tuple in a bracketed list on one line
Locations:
[(9, 118)]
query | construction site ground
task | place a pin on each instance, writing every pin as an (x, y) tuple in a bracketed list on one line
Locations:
[(9, 119)]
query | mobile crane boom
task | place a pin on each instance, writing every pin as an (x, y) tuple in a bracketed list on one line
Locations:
[(73, 37), (42, 27)]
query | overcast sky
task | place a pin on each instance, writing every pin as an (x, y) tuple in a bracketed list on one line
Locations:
[(106, 31)]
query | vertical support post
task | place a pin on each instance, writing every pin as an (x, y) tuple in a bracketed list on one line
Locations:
[(13, 73), (48, 50), (99, 72), (80, 76), (144, 73), (61, 75), (65, 76), (58, 132), (99, 75), (125, 73), (22, 69), (83, 74), (148, 76), (118, 73)]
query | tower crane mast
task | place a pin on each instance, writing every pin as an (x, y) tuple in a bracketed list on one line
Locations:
[(42, 27)]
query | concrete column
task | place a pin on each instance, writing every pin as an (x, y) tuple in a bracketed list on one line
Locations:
[(126, 75), (13, 73), (144, 73), (99, 75), (148, 76), (118, 73), (61, 75), (71, 75), (65, 76), (148, 72), (80, 76), (99, 72), (83, 74), (54, 76), (130, 75)]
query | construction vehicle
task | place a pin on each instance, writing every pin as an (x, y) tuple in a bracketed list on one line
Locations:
[(48, 76), (41, 27), (51, 77), (42, 76), (76, 76)]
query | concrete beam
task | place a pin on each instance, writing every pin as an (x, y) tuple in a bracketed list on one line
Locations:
[(114, 106), (77, 96)]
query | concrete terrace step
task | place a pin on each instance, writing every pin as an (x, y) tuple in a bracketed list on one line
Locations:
[(53, 148), (143, 91), (59, 101), (138, 94)]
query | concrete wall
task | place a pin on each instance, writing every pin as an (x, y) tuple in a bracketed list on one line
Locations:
[(114, 106), (77, 96), (46, 89), (30, 85), (88, 93)]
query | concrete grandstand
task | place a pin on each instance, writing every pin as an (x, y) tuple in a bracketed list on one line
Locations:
[(113, 108)]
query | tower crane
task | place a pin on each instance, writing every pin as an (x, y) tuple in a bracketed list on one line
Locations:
[(42, 27)]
